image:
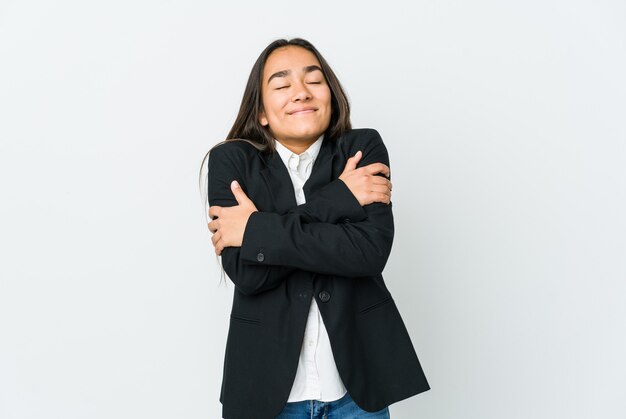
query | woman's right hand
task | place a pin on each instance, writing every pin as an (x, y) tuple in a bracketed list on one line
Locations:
[(363, 182)]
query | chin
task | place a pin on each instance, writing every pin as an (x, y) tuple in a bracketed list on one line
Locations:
[(312, 135), (309, 132)]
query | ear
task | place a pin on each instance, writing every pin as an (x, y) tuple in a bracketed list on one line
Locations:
[(263, 119)]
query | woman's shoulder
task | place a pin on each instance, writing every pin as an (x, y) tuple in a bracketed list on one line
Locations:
[(234, 154), (360, 139), (237, 150), (235, 146)]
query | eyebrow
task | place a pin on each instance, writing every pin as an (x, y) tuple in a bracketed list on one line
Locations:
[(285, 73)]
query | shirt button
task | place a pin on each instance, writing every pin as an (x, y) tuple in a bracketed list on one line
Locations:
[(260, 257), (324, 296)]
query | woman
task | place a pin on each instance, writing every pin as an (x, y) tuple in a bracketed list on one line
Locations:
[(301, 216)]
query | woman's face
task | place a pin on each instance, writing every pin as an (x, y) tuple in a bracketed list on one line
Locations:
[(296, 97)]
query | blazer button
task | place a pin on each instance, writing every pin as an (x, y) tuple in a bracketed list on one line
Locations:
[(347, 220), (324, 296), (260, 257)]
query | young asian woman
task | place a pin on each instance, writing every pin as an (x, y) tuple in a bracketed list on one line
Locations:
[(302, 219)]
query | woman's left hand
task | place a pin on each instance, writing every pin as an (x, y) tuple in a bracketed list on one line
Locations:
[(229, 223)]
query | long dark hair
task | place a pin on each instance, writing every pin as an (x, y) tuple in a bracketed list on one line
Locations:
[(247, 126)]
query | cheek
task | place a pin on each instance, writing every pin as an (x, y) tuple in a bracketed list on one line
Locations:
[(327, 102), (276, 106), (326, 98)]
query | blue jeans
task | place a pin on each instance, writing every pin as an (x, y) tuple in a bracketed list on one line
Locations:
[(344, 408)]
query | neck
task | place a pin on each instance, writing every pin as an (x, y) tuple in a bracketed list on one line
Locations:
[(298, 146)]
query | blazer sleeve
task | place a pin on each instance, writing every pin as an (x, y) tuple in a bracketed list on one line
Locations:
[(331, 203), (349, 249)]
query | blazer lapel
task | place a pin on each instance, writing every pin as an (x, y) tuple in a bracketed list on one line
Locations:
[(321, 173), (278, 182), (276, 176)]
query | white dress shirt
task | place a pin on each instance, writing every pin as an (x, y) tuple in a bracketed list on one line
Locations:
[(317, 377)]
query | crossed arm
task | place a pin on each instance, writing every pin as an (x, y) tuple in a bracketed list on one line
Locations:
[(265, 248)]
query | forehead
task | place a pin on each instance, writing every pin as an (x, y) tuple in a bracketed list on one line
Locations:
[(293, 58)]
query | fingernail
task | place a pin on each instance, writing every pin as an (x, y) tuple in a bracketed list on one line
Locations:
[(235, 184)]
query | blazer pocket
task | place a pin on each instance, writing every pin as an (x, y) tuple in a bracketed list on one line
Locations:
[(244, 319), (379, 304)]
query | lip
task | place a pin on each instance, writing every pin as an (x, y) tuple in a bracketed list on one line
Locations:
[(304, 110)]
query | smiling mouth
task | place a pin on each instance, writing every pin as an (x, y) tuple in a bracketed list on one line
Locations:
[(305, 111)]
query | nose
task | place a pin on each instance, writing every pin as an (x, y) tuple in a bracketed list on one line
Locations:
[(301, 92)]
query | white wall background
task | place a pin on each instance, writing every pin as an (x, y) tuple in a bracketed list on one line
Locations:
[(505, 123)]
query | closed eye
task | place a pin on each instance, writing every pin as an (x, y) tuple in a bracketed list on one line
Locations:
[(281, 87)]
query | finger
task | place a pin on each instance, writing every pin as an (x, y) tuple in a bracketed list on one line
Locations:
[(214, 211), (379, 180), (381, 197), (216, 238), (381, 189), (356, 158), (352, 161), (219, 247), (213, 226), (377, 168), (240, 195)]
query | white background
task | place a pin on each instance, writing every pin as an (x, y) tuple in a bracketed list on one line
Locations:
[(505, 124)]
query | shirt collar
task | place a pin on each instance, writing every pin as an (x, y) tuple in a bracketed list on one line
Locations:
[(313, 150)]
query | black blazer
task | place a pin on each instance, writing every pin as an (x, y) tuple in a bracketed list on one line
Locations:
[(329, 248)]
